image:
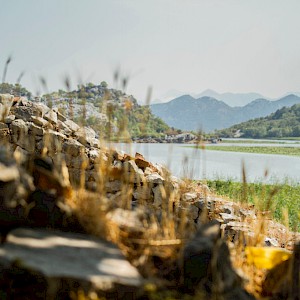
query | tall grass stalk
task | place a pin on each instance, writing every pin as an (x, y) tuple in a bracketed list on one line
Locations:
[(282, 198)]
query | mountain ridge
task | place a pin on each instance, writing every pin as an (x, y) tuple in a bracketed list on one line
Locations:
[(209, 114)]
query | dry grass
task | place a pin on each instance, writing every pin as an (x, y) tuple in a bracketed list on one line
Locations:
[(160, 233)]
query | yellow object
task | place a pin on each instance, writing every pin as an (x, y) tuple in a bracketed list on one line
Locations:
[(266, 257)]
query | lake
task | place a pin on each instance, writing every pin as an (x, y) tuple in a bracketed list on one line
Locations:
[(185, 161)]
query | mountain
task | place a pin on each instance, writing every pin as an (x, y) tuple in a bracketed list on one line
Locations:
[(285, 122), (167, 96), (188, 113), (208, 113), (231, 99)]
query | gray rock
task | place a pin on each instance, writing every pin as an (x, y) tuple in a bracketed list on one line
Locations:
[(3, 126), (20, 137), (60, 116), (6, 101), (63, 127), (148, 171), (132, 173), (205, 204), (235, 230), (51, 116), (226, 284), (72, 147), (92, 175), (26, 112), (9, 119), (142, 193), (18, 128), (76, 162), (86, 136), (197, 255), (228, 209), (247, 213), (40, 121), (8, 173), (154, 179), (207, 266), (75, 175), (72, 125), (94, 154), (191, 211), (159, 195), (129, 220), (229, 217), (10, 183), (55, 141), (95, 143), (189, 197), (176, 182), (41, 108), (21, 154), (6, 98), (36, 130), (194, 212), (4, 136), (113, 186), (62, 260), (271, 242)]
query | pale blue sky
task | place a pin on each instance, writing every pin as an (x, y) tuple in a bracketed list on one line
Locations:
[(187, 45)]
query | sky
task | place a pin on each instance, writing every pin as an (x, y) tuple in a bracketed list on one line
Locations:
[(163, 45)]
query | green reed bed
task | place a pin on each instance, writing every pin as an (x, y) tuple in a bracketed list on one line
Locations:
[(279, 198), (245, 141), (293, 151)]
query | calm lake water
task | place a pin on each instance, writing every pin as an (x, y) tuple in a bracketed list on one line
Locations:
[(185, 161)]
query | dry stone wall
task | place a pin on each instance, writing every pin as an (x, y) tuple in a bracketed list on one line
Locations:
[(50, 151), (35, 129)]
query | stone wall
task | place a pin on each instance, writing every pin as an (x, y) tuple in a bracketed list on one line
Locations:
[(47, 152), (33, 129)]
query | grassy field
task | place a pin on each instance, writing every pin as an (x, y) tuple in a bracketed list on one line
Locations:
[(282, 197), (293, 138), (294, 151), (251, 142)]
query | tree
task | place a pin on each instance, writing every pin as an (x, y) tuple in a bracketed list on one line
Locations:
[(104, 84)]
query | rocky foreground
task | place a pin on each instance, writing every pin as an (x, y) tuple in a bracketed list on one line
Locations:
[(79, 218)]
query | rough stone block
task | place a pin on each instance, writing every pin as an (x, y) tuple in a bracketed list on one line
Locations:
[(59, 260)]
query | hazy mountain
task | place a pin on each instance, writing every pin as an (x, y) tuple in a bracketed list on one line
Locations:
[(231, 99), (188, 113), (208, 113), (169, 95)]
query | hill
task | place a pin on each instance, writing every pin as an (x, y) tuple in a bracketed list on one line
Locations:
[(209, 114), (285, 122), (109, 112)]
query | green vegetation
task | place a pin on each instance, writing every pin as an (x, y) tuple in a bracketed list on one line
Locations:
[(126, 119), (285, 122), (294, 151), (293, 138), (251, 142), (284, 196), (14, 89)]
